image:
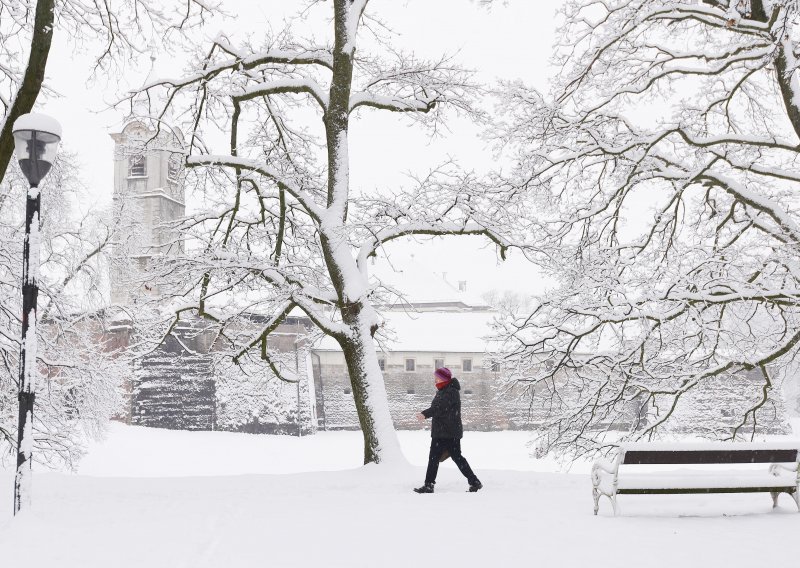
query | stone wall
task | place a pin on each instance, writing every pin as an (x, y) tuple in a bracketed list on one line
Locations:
[(189, 385), (174, 391), (484, 406)]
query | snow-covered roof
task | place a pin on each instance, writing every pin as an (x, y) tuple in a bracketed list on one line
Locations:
[(428, 312), (459, 332), (419, 284)]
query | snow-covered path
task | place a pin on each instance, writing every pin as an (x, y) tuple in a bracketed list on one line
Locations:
[(369, 516)]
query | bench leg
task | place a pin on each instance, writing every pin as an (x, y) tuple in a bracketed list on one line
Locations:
[(795, 496), (596, 494)]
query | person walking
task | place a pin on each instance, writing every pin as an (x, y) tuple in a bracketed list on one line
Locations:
[(446, 431)]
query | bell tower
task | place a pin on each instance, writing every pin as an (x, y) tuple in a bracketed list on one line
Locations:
[(148, 197)]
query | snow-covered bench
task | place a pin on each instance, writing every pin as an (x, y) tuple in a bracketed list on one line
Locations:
[(782, 476)]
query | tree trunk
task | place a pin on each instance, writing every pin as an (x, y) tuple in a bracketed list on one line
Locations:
[(757, 11), (369, 392), (32, 80), (366, 379), (785, 69)]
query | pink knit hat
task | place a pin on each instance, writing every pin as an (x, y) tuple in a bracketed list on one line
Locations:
[(443, 375)]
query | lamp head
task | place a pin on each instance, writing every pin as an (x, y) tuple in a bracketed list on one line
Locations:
[(36, 138)]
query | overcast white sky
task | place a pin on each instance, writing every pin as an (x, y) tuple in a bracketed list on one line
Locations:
[(511, 41)]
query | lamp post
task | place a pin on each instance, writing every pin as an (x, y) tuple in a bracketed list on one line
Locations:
[(36, 139)]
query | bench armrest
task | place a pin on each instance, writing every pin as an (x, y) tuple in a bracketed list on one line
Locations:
[(604, 477), (605, 466), (776, 468)]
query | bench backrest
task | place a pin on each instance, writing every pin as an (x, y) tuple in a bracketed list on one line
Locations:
[(666, 457)]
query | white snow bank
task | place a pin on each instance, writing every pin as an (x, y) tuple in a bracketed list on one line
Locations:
[(365, 516), (131, 451)]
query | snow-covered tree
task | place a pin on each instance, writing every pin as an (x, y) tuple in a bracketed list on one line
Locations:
[(79, 372), (663, 172), (281, 227)]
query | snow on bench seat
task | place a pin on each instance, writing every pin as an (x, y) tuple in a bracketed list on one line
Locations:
[(690, 479), (707, 446)]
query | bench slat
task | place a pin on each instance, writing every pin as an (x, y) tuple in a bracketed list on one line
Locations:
[(649, 457), (663, 491)]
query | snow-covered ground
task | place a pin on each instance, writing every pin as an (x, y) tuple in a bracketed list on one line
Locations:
[(153, 498)]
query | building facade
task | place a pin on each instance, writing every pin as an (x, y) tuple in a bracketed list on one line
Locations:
[(421, 338)]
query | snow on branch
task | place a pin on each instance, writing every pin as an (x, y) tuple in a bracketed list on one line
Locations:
[(390, 103), (307, 86), (759, 202), (419, 229), (303, 197), (296, 56), (404, 83)]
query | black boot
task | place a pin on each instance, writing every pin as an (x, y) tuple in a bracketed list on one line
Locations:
[(477, 486), (427, 488)]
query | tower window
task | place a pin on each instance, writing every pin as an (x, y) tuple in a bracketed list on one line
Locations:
[(137, 166), (173, 168)]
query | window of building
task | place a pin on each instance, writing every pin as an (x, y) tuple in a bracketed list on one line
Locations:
[(468, 391), (174, 168), (137, 166), (411, 365), (438, 363), (410, 390), (495, 366), (382, 363), (347, 390), (466, 365)]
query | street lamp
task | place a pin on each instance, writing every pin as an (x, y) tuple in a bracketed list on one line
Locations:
[(36, 139)]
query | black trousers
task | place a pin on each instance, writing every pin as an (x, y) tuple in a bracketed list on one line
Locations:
[(453, 447)]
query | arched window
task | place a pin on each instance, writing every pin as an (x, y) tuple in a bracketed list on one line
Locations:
[(137, 166)]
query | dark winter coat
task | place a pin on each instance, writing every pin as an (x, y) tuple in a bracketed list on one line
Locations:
[(446, 412)]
